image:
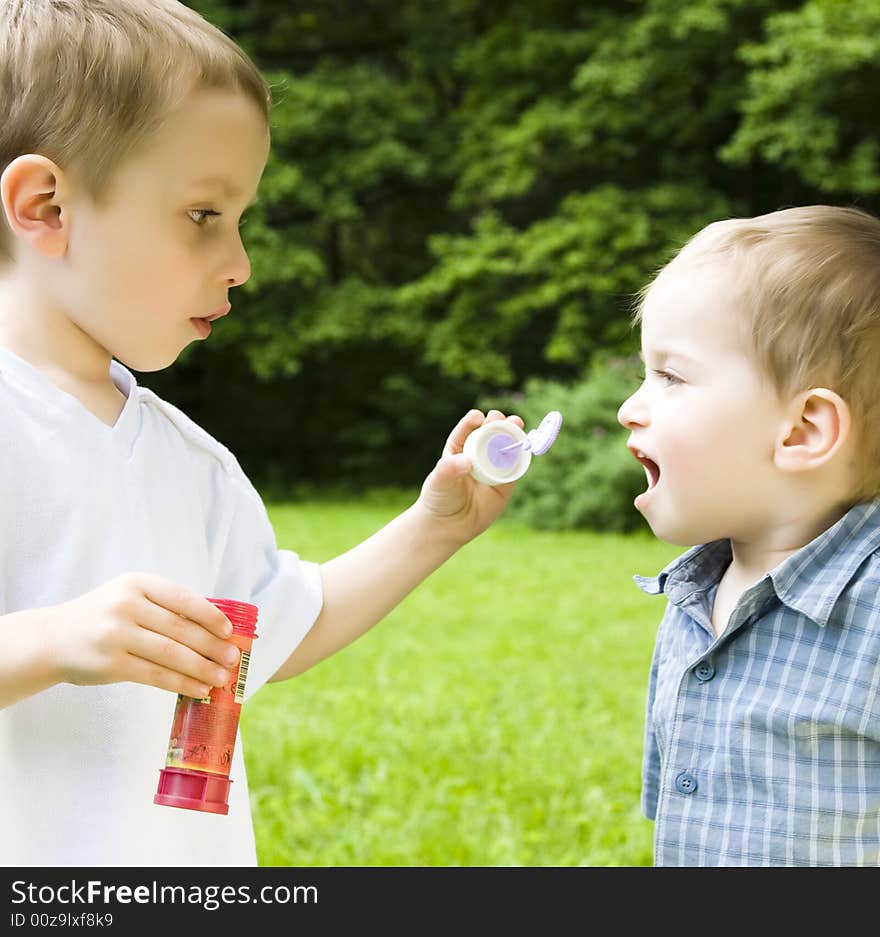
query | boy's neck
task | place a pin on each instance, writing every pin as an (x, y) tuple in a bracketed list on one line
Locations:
[(40, 332), (754, 558)]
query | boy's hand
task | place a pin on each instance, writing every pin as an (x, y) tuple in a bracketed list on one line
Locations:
[(143, 629), (451, 495)]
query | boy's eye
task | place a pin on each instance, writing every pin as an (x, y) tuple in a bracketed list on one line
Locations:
[(668, 378), (201, 215)]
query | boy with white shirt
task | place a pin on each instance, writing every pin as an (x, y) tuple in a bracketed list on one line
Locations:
[(132, 137), (758, 423)]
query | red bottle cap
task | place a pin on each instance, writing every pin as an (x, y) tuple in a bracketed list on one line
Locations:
[(193, 790), (243, 615)]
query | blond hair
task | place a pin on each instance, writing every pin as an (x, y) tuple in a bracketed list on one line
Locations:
[(85, 82), (808, 284)]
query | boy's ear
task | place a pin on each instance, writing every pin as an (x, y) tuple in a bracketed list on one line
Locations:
[(29, 191), (819, 427)]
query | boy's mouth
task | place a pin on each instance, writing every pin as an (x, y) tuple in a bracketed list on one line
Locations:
[(652, 469)]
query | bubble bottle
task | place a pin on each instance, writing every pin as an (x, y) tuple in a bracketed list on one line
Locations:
[(203, 731)]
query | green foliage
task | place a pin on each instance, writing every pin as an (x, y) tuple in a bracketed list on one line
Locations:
[(810, 103), (505, 302), (463, 197), (588, 479)]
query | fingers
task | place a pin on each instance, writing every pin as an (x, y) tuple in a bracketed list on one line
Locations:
[(170, 640), (149, 673), (472, 420), (185, 602), (178, 640), (465, 426), (165, 658)]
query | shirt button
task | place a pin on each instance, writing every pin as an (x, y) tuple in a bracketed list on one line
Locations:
[(704, 671), (685, 783)]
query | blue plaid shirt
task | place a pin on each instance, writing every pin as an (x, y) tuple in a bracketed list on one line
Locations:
[(762, 746)]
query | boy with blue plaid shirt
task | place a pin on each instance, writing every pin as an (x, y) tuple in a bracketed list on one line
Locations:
[(758, 423)]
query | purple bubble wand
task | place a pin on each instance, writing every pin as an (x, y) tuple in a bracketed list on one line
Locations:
[(540, 439)]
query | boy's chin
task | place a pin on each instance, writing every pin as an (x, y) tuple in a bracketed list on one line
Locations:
[(678, 535), (145, 362), (678, 540)]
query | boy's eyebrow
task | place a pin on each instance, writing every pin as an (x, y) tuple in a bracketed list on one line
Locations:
[(220, 181), (663, 355)]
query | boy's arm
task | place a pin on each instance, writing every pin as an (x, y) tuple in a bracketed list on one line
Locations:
[(27, 665), (363, 585)]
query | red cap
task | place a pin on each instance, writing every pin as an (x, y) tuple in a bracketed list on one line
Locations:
[(193, 790), (243, 615)]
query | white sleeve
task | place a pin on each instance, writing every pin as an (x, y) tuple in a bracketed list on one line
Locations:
[(251, 568)]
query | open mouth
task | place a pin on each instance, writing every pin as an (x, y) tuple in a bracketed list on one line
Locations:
[(652, 470)]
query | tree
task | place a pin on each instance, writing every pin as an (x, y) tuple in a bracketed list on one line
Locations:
[(467, 195)]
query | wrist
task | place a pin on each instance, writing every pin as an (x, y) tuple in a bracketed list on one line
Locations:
[(48, 661), (43, 653), (435, 532), (30, 661)]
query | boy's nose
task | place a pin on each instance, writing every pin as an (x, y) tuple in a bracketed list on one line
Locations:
[(238, 267), (632, 412)]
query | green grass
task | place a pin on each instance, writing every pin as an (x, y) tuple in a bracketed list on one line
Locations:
[(494, 718)]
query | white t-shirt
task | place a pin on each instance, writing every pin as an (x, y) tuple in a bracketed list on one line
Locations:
[(80, 503)]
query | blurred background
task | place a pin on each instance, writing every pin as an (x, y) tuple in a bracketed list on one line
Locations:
[(463, 197), (462, 200)]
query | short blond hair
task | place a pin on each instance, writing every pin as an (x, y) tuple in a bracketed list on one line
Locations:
[(808, 284), (85, 82)]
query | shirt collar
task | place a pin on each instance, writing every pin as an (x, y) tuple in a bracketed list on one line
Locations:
[(74, 413), (809, 581)]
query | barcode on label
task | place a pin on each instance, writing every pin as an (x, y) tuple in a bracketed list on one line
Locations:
[(242, 676)]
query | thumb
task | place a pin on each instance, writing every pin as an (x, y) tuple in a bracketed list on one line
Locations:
[(450, 468)]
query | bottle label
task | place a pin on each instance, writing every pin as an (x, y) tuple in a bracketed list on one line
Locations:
[(203, 731)]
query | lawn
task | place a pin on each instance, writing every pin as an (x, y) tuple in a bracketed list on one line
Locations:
[(494, 718)]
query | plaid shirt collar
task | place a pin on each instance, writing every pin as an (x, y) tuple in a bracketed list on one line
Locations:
[(842, 549)]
